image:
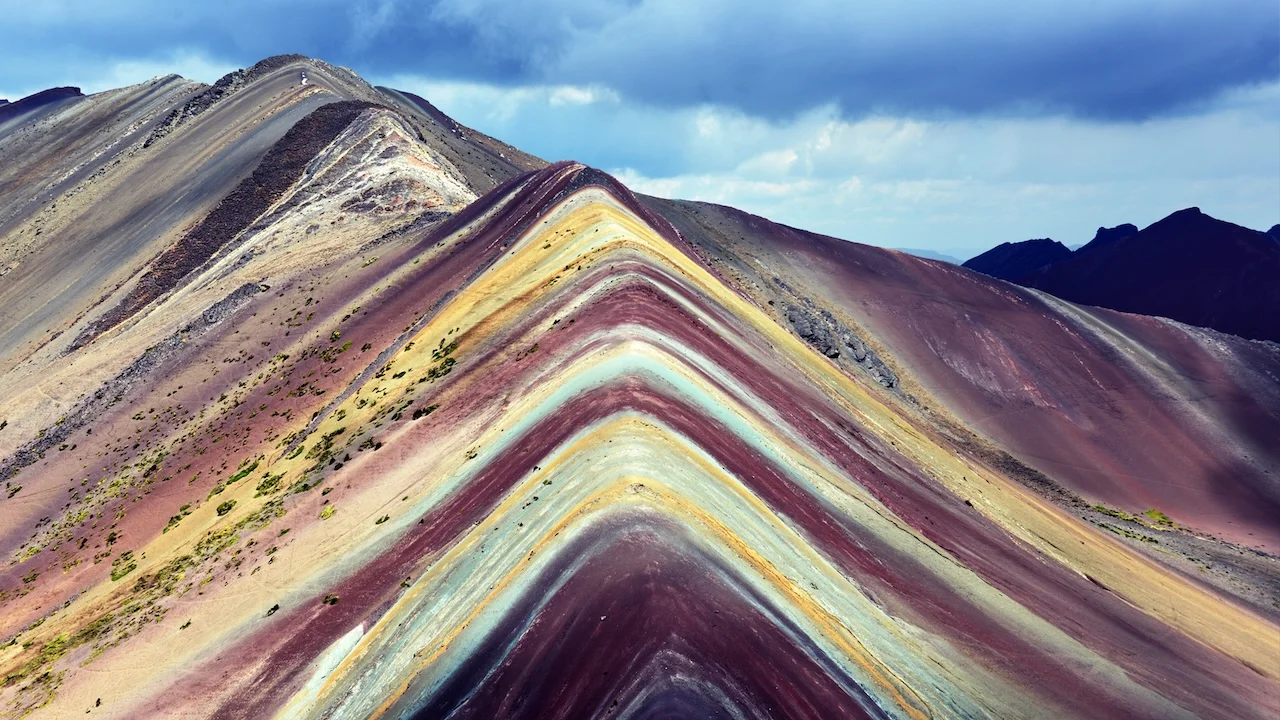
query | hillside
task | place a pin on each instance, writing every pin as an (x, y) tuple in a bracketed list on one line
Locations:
[(316, 403)]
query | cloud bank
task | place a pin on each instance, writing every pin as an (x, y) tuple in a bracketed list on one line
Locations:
[(917, 123), (1124, 59)]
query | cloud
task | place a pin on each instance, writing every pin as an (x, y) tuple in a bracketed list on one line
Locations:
[(120, 73), (1127, 59), (571, 95), (918, 123), (952, 184), (369, 20), (1120, 60)]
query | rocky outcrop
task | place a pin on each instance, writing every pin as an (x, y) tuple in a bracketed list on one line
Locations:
[(224, 87), (834, 339)]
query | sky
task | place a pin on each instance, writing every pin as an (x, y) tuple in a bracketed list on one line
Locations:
[(937, 124)]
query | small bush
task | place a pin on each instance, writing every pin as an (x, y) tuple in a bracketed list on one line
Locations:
[(270, 483), (123, 565)]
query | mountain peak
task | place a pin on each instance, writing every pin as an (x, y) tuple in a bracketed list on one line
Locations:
[(1106, 236), (1188, 266), (35, 101), (1009, 261)]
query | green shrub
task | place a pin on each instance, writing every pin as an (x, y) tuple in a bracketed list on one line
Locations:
[(123, 565)]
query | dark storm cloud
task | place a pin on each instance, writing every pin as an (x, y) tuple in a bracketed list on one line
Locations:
[(1123, 59)]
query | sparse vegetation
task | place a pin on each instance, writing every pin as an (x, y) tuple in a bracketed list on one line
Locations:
[(1128, 533), (423, 412), (269, 484), (1118, 514), (123, 565), (183, 512)]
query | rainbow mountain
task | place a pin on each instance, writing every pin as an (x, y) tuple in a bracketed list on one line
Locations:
[(316, 403)]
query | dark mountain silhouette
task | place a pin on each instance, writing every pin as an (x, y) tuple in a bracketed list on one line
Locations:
[(1109, 236), (10, 110), (1010, 261), (1274, 232), (1189, 267)]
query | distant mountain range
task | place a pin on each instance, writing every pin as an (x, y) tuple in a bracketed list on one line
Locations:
[(930, 255), (1189, 267)]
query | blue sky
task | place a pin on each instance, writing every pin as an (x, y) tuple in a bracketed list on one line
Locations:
[(918, 123)]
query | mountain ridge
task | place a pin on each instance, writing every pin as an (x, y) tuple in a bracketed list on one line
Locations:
[(437, 428), (1187, 266)]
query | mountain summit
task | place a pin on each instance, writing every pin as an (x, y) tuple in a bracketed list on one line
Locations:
[(1009, 261), (1189, 267), (316, 403)]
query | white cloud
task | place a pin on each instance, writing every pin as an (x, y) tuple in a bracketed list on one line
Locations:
[(368, 19), (129, 71), (124, 71), (573, 95), (948, 184), (771, 163)]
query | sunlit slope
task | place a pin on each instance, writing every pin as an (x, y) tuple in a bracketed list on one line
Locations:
[(547, 460), (93, 193), (1130, 412), (91, 240)]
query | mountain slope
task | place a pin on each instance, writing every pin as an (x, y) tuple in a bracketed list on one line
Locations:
[(433, 429)]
